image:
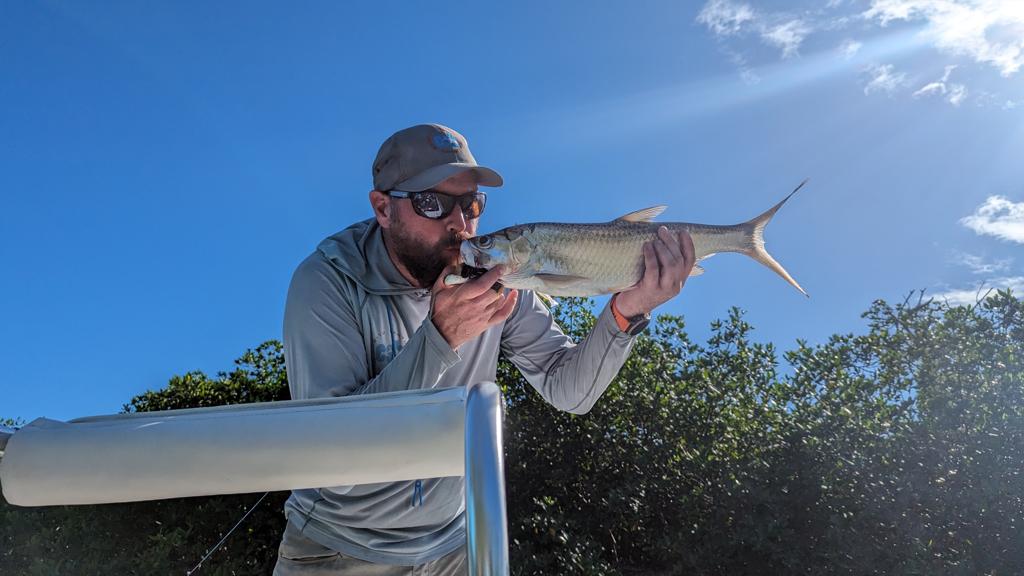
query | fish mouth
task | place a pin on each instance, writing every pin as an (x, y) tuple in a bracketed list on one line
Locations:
[(473, 264), (472, 272), (470, 257)]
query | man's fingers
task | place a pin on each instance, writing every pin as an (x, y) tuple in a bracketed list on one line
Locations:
[(489, 307), (665, 260), (489, 300), (671, 254), (686, 243), (506, 308), (671, 242), (650, 265), (679, 269), (665, 256)]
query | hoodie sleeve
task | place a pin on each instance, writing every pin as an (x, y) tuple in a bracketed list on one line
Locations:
[(568, 376), (324, 347)]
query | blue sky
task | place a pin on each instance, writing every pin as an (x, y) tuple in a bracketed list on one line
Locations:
[(165, 165)]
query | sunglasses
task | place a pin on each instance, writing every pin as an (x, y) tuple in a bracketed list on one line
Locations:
[(436, 205)]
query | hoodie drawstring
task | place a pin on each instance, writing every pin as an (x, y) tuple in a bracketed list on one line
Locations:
[(417, 492), (391, 330)]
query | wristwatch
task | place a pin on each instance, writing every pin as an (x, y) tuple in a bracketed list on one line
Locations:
[(637, 323), (632, 325)]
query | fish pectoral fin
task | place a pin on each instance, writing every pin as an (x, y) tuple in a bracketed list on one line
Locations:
[(697, 271), (645, 215), (559, 280), (517, 275)]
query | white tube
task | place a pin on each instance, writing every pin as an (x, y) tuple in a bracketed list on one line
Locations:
[(486, 518), (237, 449)]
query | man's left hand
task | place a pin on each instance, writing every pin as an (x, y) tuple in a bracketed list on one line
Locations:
[(668, 260)]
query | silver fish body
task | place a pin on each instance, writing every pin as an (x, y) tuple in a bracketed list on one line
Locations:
[(562, 259)]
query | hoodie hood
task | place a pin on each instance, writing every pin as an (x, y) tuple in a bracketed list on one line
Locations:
[(359, 253)]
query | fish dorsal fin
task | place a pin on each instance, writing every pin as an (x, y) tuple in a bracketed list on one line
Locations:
[(645, 215)]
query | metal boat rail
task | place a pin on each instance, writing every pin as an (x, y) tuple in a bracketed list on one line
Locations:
[(44, 451)]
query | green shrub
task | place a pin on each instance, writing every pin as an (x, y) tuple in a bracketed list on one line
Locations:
[(898, 451)]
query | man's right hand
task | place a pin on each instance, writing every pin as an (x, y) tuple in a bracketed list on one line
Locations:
[(461, 313)]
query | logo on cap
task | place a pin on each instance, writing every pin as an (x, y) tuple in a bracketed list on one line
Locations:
[(446, 141)]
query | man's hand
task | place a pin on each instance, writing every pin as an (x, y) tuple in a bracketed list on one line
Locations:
[(461, 313), (668, 261)]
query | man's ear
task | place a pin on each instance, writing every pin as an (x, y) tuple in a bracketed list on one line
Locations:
[(381, 204)]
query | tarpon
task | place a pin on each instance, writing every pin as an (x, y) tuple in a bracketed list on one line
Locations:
[(564, 259)]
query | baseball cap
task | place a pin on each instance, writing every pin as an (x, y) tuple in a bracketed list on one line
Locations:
[(420, 157)]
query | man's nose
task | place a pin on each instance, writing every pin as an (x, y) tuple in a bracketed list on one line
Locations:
[(457, 221)]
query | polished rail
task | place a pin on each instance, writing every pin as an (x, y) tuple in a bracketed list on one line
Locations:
[(486, 519)]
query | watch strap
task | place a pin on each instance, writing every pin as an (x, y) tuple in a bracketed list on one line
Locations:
[(633, 325)]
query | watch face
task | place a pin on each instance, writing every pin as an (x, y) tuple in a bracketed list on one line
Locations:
[(637, 324)]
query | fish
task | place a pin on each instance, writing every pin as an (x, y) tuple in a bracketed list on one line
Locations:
[(568, 259)]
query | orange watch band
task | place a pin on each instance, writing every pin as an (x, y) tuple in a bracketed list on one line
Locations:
[(620, 320)]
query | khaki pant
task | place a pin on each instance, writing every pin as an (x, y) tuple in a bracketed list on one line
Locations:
[(299, 555)]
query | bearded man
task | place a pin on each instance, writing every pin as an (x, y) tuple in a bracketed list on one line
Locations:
[(369, 312)]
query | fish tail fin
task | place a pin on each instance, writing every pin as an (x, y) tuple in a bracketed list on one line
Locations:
[(756, 249)]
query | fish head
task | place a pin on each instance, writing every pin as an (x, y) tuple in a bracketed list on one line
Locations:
[(509, 247)]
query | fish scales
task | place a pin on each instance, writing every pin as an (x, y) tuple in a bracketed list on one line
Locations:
[(612, 254)]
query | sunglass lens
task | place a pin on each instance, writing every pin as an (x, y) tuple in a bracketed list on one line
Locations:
[(435, 205), (429, 205), (475, 206)]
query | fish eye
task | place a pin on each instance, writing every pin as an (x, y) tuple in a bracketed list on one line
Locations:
[(485, 241)]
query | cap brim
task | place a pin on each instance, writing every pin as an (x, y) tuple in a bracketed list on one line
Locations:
[(435, 175)]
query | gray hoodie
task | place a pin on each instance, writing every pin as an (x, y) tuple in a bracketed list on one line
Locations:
[(354, 325)]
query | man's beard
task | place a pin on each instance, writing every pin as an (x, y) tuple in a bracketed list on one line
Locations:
[(424, 263)]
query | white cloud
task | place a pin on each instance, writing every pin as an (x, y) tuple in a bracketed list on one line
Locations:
[(725, 18), (977, 32), (1009, 104), (746, 72), (945, 74), (930, 89), (883, 79), (987, 99), (980, 265), (889, 10), (969, 296), (989, 31), (849, 48), (836, 23), (955, 93), (749, 76), (998, 217), (787, 36)]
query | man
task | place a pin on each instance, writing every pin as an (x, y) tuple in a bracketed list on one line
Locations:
[(369, 312)]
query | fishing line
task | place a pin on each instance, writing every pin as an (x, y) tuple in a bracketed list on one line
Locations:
[(237, 524)]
